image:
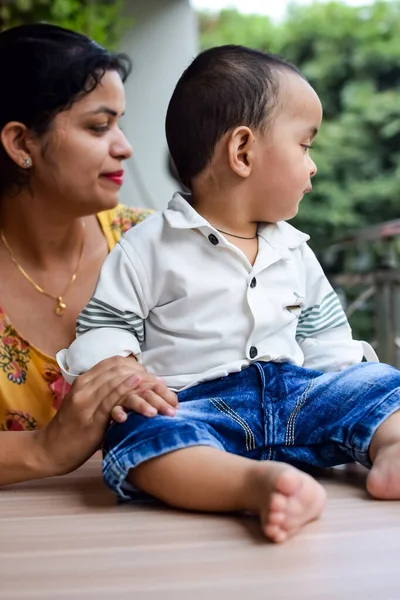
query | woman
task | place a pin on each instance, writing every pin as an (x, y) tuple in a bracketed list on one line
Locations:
[(61, 156)]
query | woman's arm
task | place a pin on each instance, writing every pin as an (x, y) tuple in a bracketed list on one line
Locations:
[(21, 457), (76, 431)]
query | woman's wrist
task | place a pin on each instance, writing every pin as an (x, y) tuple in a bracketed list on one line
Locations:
[(41, 462), (23, 457)]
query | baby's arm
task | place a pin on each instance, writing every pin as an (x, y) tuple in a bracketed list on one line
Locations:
[(323, 331), (112, 324)]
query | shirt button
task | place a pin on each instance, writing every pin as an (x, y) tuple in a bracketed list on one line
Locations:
[(253, 352), (253, 282), (213, 239)]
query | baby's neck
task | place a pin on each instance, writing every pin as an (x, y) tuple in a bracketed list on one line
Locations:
[(226, 212)]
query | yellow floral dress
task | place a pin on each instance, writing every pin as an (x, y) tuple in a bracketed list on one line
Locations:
[(31, 385)]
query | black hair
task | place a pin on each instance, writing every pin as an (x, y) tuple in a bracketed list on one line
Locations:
[(45, 69), (222, 88)]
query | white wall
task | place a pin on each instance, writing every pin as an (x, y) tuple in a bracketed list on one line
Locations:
[(161, 43)]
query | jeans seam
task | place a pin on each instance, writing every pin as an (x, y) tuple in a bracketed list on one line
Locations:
[(290, 427), (264, 415), (223, 407)]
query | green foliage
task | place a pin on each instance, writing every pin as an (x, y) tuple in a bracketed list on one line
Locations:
[(101, 20), (351, 57), (230, 27)]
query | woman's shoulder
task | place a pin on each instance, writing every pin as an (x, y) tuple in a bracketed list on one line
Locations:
[(119, 220)]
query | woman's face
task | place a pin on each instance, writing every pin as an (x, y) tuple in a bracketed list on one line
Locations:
[(78, 164)]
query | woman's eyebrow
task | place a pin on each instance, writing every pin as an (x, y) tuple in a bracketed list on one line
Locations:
[(106, 110)]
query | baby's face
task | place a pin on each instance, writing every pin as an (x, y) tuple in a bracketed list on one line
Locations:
[(282, 167)]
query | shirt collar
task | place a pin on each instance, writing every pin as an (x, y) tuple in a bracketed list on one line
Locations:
[(180, 214), (282, 235)]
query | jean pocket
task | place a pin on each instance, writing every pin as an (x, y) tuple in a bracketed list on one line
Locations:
[(225, 409)]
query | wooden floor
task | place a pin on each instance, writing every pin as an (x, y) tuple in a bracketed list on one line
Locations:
[(66, 538)]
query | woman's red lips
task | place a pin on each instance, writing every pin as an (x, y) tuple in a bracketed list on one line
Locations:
[(116, 177)]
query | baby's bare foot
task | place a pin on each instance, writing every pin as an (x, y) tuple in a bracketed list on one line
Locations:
[(384, 479), (289, 499)]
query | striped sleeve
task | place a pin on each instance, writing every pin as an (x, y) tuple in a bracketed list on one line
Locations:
[(101, 314), (323, 331), (327, 314)]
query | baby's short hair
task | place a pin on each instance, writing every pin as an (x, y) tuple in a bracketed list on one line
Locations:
[(224, 87)]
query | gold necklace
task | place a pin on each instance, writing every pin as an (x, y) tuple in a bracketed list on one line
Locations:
[(60, 307)]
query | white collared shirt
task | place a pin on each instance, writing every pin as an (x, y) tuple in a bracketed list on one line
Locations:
[(188, 303)]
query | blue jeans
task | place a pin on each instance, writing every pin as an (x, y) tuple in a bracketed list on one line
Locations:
[(268, 411)]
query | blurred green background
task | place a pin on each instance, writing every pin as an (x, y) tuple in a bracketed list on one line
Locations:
[(99, 19)]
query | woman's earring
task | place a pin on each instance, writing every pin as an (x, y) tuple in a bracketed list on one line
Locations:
[(27, 162)]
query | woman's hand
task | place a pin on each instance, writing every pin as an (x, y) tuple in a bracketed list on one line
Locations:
[(148, 396), (95, 398)]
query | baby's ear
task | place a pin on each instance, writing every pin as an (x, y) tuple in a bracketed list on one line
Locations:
[(240, 150)]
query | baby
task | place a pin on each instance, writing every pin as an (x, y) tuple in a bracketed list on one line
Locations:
[(227, 302)]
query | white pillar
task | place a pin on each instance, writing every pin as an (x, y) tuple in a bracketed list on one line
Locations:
[(161, 43)]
